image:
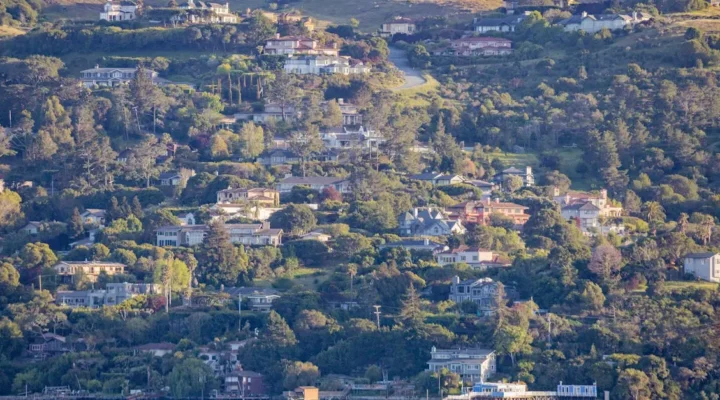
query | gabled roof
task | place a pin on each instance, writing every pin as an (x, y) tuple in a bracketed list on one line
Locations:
[(251, 291), (426, 176), (700, 255), (169, 175), (584, 206)]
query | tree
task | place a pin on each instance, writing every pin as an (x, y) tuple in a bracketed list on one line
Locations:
[(305, 143), (298, 373), (512, 340), (278, 332), (175, 272), (220, 262), (10, 213), (654, 212), (76, 227), (605, 263), (633, 384), (142, 162), (9, 277), (411, 314), (295, 218), (56, 122), (218, 148), (191, 378), (513, 183), (284, 91), (332, 116), (252, 140), (11, 338), (261, 29)]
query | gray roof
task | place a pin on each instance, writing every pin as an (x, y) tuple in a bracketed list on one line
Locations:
[(247, 291), (581, 206), (426, 176), (511, 20), (700, 255), (312, 180)]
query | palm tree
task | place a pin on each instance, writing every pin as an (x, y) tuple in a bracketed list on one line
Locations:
[(352, 271), (682, 222)]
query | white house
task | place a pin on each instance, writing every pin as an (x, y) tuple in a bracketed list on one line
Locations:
[(173, 178), (705, 266), (275, 111), (400, 25), (114, 76), (587, 210), (527, 176), (596, 23), (344, 138), (260, 299), (324, 65), (114, 294), (479, 291), (200, 12), (119, 11), (481, 46), (32, 228), (290, 45), (437, 178), (473, 365), (428, 221), (157, 349), (472, 256), (258, 234), (91, 269), (93, 216), (318, 183), (502, 24)]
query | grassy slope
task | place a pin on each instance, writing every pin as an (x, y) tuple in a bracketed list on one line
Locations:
[(9, 31)]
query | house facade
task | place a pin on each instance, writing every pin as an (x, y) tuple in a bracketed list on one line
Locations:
[(472, 256), (474, 365), (402, 25), (527, 176), (428, 221), (438, 179), (318, 183), (93, 216), (503, 24), (276, 112), (173, 178), (49, 344), (481, 46), (246, 384), (278, 157), (119, 11), (109, 77), (324, 65), (291, 45), (261, 196), (259, 299), (114, 294), (480, 212), (91, 269), (417, 245), (479, 291), (245, 234), (595, 23), (200, 12), (346, 138), (705, 266), (590, 211)]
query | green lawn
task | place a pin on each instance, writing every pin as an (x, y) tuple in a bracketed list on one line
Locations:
[(679, 285)]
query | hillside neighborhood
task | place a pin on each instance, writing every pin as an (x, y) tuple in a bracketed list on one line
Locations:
[(370, 201)]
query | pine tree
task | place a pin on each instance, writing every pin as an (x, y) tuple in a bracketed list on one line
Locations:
[(114, 212), (411, 313), (76, 226), (125, 208), (279, 332), (221, 262), (137, 209)]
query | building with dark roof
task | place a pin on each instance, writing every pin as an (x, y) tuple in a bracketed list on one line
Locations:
[(472, 364), (428, 221)]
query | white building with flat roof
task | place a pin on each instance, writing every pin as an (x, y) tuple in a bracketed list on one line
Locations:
[(705, 266), (473, 365)]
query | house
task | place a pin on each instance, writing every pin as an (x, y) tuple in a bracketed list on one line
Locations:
[(479, 291), (502, 24), (259, 196), (123, 10), (278, 157), (595, 23), (114, 294), (315, 235), (173, 178), (110, 77), (276, 111), (200, 12), (318, 183), (705, 266), (260, 299), (324, 65), (88, 241), (303, 393), (486, 187), (347, 138), (472, 256), (93, 216), (519, 391), (438, 179), (245, 383), (48, 345), (187, 218), (32, 228), (220, 359), (527, 176), (417, 245), (588, 211), (401, 25), (428, 221), (157, 349), (473, 364), (255, 212), (292, 45), (91, 269), (481, 46), (247, 234), (480, 211)]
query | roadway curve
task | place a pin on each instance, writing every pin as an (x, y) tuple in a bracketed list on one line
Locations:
[(413, 78)]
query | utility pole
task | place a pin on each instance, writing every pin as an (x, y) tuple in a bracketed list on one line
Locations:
[(240, 314), (549, 337), (40, 280), (377, 315)]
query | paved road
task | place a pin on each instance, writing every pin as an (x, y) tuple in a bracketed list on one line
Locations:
[(413, 77)]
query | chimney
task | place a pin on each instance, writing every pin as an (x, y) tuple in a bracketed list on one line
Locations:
[(415, 212), (487, 200), (556, 191), (97, 66), (426, 242), (341, 101), (603, 194), (528, 170), (497, 200), (635, 16), (584, 14), (277, 36)]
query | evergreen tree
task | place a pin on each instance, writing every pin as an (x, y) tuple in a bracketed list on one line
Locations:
[(411, 313), (76, 227), (278, 331), (219, 260), (137, 209)]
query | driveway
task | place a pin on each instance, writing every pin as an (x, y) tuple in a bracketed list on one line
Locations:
[(413, 77)]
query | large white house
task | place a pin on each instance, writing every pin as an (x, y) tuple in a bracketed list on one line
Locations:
[(705, 266), (349, 138), (114, 76), (588, 209), (318, 183), (200, 12), (595, 23), (502, 24), (290, 45), (472, 256), (473, 365), (90, 269), (428, 221), (324, 65), (119, 11), (246, 234), (400, 25)]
